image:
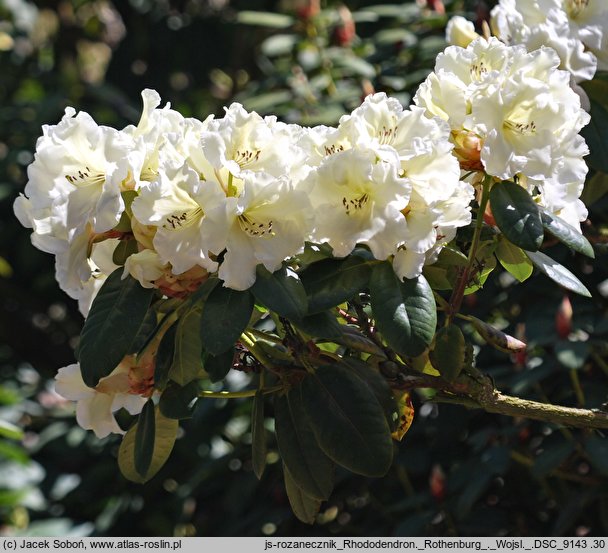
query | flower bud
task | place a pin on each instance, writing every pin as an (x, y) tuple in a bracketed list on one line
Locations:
[(460, 32), (467, 147), (496, 338), (563, 318)]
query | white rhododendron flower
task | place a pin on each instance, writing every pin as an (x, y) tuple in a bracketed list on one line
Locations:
[(242, 143), (426, 181), (512, 114), (161, 131), (269, 222), (190, 215), (575, 29), (95, 407), (358, 198), (78, 174)]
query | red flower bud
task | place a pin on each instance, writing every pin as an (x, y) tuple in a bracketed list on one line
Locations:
[(563, 318)]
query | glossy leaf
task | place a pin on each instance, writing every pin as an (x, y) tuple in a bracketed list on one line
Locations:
[(310, 467), (303, 506), (448, 353), (514, 260), (566, 233), (331, 282), (258, 436), (321, 325), (558, 273), (281, 291), (164, 439), (405, 312), (378, 385), (517, 215), (117, 312), (347, 420), (225, 316), (187, 357), (144, 438)]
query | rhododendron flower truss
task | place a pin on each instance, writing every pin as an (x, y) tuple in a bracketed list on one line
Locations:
[(513, 115), (329, 263)]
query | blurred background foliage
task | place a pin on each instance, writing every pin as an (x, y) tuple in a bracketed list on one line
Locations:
[(458, 472)]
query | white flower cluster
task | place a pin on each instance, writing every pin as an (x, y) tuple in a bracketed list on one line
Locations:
[(513, 114), (228, 194), (576, 29)]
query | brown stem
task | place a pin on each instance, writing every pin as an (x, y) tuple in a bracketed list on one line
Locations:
[(482, 395), (467, 272)]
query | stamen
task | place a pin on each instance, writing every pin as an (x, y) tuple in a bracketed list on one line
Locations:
[(520, 128), (333, 149), (255, 228), (478, 70), (387, 136), (86, 178), (183, 219), (355, 204), (246, 157)]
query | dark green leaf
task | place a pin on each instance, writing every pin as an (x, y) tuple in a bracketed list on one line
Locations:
[(225, 316), (258, 436), (123, 250), (354, 339), (281, 291), (145, 331), (302, 505), (517, 215), (566, 233), (177, 402), (379, 386), (164, 357), (331, 282), (144, 438), (405, 312), (348, 422), (448, 354), (115, 317), (165, 433), (558, 273), (596, 132), (321, 325), (595, 189), (218, 366), (311, 469), (187, 356), (551, 457)]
